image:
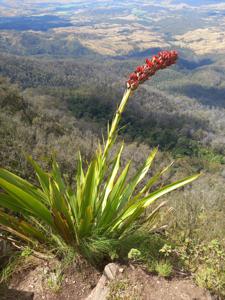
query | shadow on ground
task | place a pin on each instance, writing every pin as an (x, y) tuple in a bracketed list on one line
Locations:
[(12, 294)]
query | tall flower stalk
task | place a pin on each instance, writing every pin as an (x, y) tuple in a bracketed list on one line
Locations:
[(114, 126), (104, 206), (158, 62)]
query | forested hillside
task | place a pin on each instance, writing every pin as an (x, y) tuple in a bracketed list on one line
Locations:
[(92, 92)]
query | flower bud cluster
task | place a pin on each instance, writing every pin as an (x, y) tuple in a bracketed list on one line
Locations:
[(161, 61)]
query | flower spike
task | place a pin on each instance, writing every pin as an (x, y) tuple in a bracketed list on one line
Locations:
[(161, 61)]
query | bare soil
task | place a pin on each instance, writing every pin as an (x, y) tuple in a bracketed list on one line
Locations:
[(134, 283), (78, 281), (40, 283)]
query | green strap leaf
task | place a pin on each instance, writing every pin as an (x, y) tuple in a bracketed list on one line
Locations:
[(125, 197), (80, 178), (27, 201), (136, 209), (150, 183), (89, 198), (42, 176), (23, 184), (20, 228), (169, 188), (6, 201), (111, 209), (111, 179), (56, 175)]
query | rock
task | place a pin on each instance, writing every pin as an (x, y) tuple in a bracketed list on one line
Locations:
[(101, 291), (111, 270)]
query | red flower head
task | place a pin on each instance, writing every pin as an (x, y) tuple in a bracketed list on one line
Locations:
[(161, 61)]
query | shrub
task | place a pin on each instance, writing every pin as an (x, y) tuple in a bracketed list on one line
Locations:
[(211, 279), (210, 261), (134, 254), (103, 207), (206, 260), (164, 268)]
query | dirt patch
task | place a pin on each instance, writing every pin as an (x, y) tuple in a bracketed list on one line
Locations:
[(134, 283), (77, 282), (43, 282)]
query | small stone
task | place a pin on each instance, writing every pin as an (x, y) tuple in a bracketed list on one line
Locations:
[(121, 270)]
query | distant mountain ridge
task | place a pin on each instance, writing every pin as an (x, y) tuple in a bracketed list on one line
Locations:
[(197, 2)]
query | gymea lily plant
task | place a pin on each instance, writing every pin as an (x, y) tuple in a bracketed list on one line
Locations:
[(102, 208)]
